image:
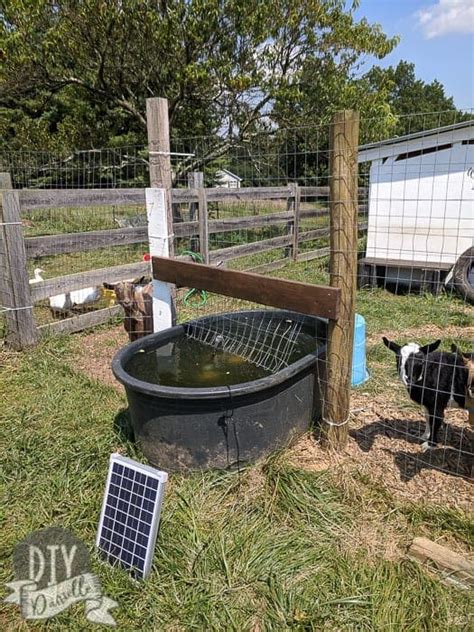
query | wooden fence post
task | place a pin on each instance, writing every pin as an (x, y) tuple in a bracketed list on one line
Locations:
[(158, 236), (203, 225), (15, 294), (344, 140), (160, 169), (296, 221), (195, 181), (290, 224)]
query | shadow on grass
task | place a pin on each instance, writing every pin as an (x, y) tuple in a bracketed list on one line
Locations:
[(123, 425), (446, 459), (453, 455)]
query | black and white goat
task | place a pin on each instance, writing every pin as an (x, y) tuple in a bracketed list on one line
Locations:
[(434, 379)]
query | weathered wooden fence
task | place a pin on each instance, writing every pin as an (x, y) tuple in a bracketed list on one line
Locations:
[(16, 249), (18, 296)]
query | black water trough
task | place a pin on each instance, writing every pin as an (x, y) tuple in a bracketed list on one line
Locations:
[(222, 426)]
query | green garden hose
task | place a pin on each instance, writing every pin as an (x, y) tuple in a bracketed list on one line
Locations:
[(195, 256)]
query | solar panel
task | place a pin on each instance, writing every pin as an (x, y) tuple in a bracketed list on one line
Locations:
[(131, 514)]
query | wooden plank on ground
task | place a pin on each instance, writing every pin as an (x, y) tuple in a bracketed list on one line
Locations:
[(72, 198), (425, 550), (305, 298), (83, 321)]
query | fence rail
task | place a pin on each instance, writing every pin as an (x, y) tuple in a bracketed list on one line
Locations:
[(21, 325), (63, 198)]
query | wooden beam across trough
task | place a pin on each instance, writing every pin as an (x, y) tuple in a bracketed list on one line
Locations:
[(316, 300)]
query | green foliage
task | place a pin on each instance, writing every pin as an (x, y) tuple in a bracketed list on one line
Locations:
[(76, 74), (407, 95)]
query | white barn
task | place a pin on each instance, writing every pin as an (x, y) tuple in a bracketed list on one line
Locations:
[(421, 199), (228, 180)]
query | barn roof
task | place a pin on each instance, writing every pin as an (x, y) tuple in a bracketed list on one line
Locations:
[(229, 173), (417, 141)]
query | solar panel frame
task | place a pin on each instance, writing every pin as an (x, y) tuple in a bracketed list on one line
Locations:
[(122, 521)]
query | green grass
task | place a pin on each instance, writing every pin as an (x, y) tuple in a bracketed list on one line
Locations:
[(270, 548), (273, 547)]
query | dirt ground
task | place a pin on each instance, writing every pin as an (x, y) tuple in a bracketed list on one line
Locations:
[(384, 437)]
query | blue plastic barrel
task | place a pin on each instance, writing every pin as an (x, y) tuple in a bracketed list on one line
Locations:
[(359, 368)]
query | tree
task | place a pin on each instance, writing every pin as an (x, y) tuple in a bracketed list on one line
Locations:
[(417, 105), (77, 73)]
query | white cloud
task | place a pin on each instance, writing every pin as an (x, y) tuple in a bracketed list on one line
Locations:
[(447, 16)]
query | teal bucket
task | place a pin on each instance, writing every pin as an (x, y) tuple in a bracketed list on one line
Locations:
[(359, 367)]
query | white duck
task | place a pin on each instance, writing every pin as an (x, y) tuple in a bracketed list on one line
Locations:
[(60, 303), (37, 276), (86, 296)]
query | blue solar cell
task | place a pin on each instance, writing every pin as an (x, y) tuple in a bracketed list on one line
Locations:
[(127, 532), (123, 505), (114, 490), (120, 516), (138, 489), (134, 511), (150, 494), (109, 512), (116, 479), (136, 500), (144, 528), (148, 505), (113, 501), (130, 533), (141, 539), (138, 562), (153, 483), (119, 528), (146, 516), (107, 533), (108, 523)]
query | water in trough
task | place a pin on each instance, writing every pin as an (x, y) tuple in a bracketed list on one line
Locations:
[(190, 363)]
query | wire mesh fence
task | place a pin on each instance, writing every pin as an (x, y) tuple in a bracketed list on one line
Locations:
[(414, 249)]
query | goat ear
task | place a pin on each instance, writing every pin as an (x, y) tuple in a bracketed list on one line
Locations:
[(109, 286), (143, 280), (432, 346), (391, 345), (455, 349)]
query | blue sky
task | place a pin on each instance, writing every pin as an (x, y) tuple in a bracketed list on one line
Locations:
[(436, 35)]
